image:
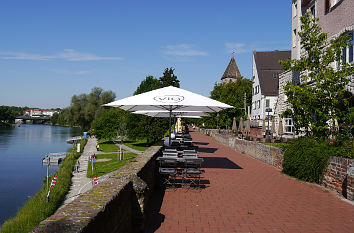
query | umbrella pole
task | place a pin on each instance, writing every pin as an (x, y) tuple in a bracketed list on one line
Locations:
[(169, 135)]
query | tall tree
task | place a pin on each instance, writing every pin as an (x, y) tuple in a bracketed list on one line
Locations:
[(85, 108), (148, 84), (7, 114), (320, 97), (169, 78), (231, 93), (110, 124)]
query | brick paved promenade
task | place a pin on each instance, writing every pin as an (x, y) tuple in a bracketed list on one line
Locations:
[(243, 194)]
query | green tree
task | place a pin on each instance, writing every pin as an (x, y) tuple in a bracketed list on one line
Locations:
[(231, 93), (320, 97), (148, 84), (110, 124), (85, 108), (54, 118), (169, 78), (7, 114)]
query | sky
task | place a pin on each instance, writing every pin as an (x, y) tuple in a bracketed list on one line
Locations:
[(52, 50)]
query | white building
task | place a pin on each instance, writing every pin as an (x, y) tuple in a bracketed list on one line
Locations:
[(335, 18), (41, 112), (265, 72)]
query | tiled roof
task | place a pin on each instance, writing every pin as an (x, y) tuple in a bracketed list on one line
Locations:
[(268, 69), (232, 70)]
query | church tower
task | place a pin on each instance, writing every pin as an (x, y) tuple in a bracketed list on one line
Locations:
[(231, 73)]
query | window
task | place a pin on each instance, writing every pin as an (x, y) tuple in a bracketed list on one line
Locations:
[(313, 11), (294, 38), (331, 3), (347, 52), (294, 10), (259, 103), (289, 126), (267, 103), (275, 75), (256, 90)]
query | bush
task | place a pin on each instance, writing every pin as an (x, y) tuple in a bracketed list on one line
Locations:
[(306, 158), (346, 150)]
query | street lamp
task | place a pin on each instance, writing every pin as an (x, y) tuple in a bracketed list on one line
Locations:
[(268, 110)]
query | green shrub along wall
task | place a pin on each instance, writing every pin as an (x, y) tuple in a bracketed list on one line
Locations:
[(306, 159), (36, 209)]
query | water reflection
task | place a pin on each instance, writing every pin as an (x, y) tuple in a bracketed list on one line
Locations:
[(21, 152)]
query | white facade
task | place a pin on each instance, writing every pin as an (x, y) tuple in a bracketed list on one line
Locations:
[(40, 112), (337, 20), (260, 102)]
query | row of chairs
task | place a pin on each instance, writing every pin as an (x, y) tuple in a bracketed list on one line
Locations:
[(189, 169), (180, 159)]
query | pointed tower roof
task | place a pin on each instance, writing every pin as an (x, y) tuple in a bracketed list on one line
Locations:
[(232, 71)]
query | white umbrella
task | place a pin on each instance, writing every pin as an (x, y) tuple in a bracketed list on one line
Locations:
[(248, 125), (170, 99), (240, 126), (234, 126), (186, 114), (280, 127)]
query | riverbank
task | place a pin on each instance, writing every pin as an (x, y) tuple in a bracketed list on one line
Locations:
[(36, 208)]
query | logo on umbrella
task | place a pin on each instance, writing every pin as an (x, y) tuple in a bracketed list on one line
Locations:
[(169, 98)]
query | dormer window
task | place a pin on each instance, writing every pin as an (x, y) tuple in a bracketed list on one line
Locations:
[(329, 4)]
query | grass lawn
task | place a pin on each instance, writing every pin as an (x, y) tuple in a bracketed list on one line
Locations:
[(109, 147), (277, 144), (139, 144), (102, 168)]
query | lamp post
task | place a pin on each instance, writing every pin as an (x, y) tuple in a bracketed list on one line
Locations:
[(268, 110), (48, 161)]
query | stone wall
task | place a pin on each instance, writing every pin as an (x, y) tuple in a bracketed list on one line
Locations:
[(265, 153), (115, 205), (339, 176)]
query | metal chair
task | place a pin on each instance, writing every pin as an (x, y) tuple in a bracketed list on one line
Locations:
[(168, 170), (192, 171)]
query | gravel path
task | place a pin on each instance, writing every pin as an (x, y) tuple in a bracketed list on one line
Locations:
[(127, 148), (79, 182)]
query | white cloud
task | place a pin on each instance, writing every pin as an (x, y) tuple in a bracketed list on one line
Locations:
[(70, 72), (183, 50), (67, 54), (239, 47), (24, 56)]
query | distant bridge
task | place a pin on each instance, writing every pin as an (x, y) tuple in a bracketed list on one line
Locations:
[(34, 119)]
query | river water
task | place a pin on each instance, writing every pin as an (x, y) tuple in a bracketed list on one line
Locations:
[(21, 171)]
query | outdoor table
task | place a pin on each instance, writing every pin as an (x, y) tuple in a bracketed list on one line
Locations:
[(169, 153), (179, 159)]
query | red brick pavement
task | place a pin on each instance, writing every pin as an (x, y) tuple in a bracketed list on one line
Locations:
[(247, 195)]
